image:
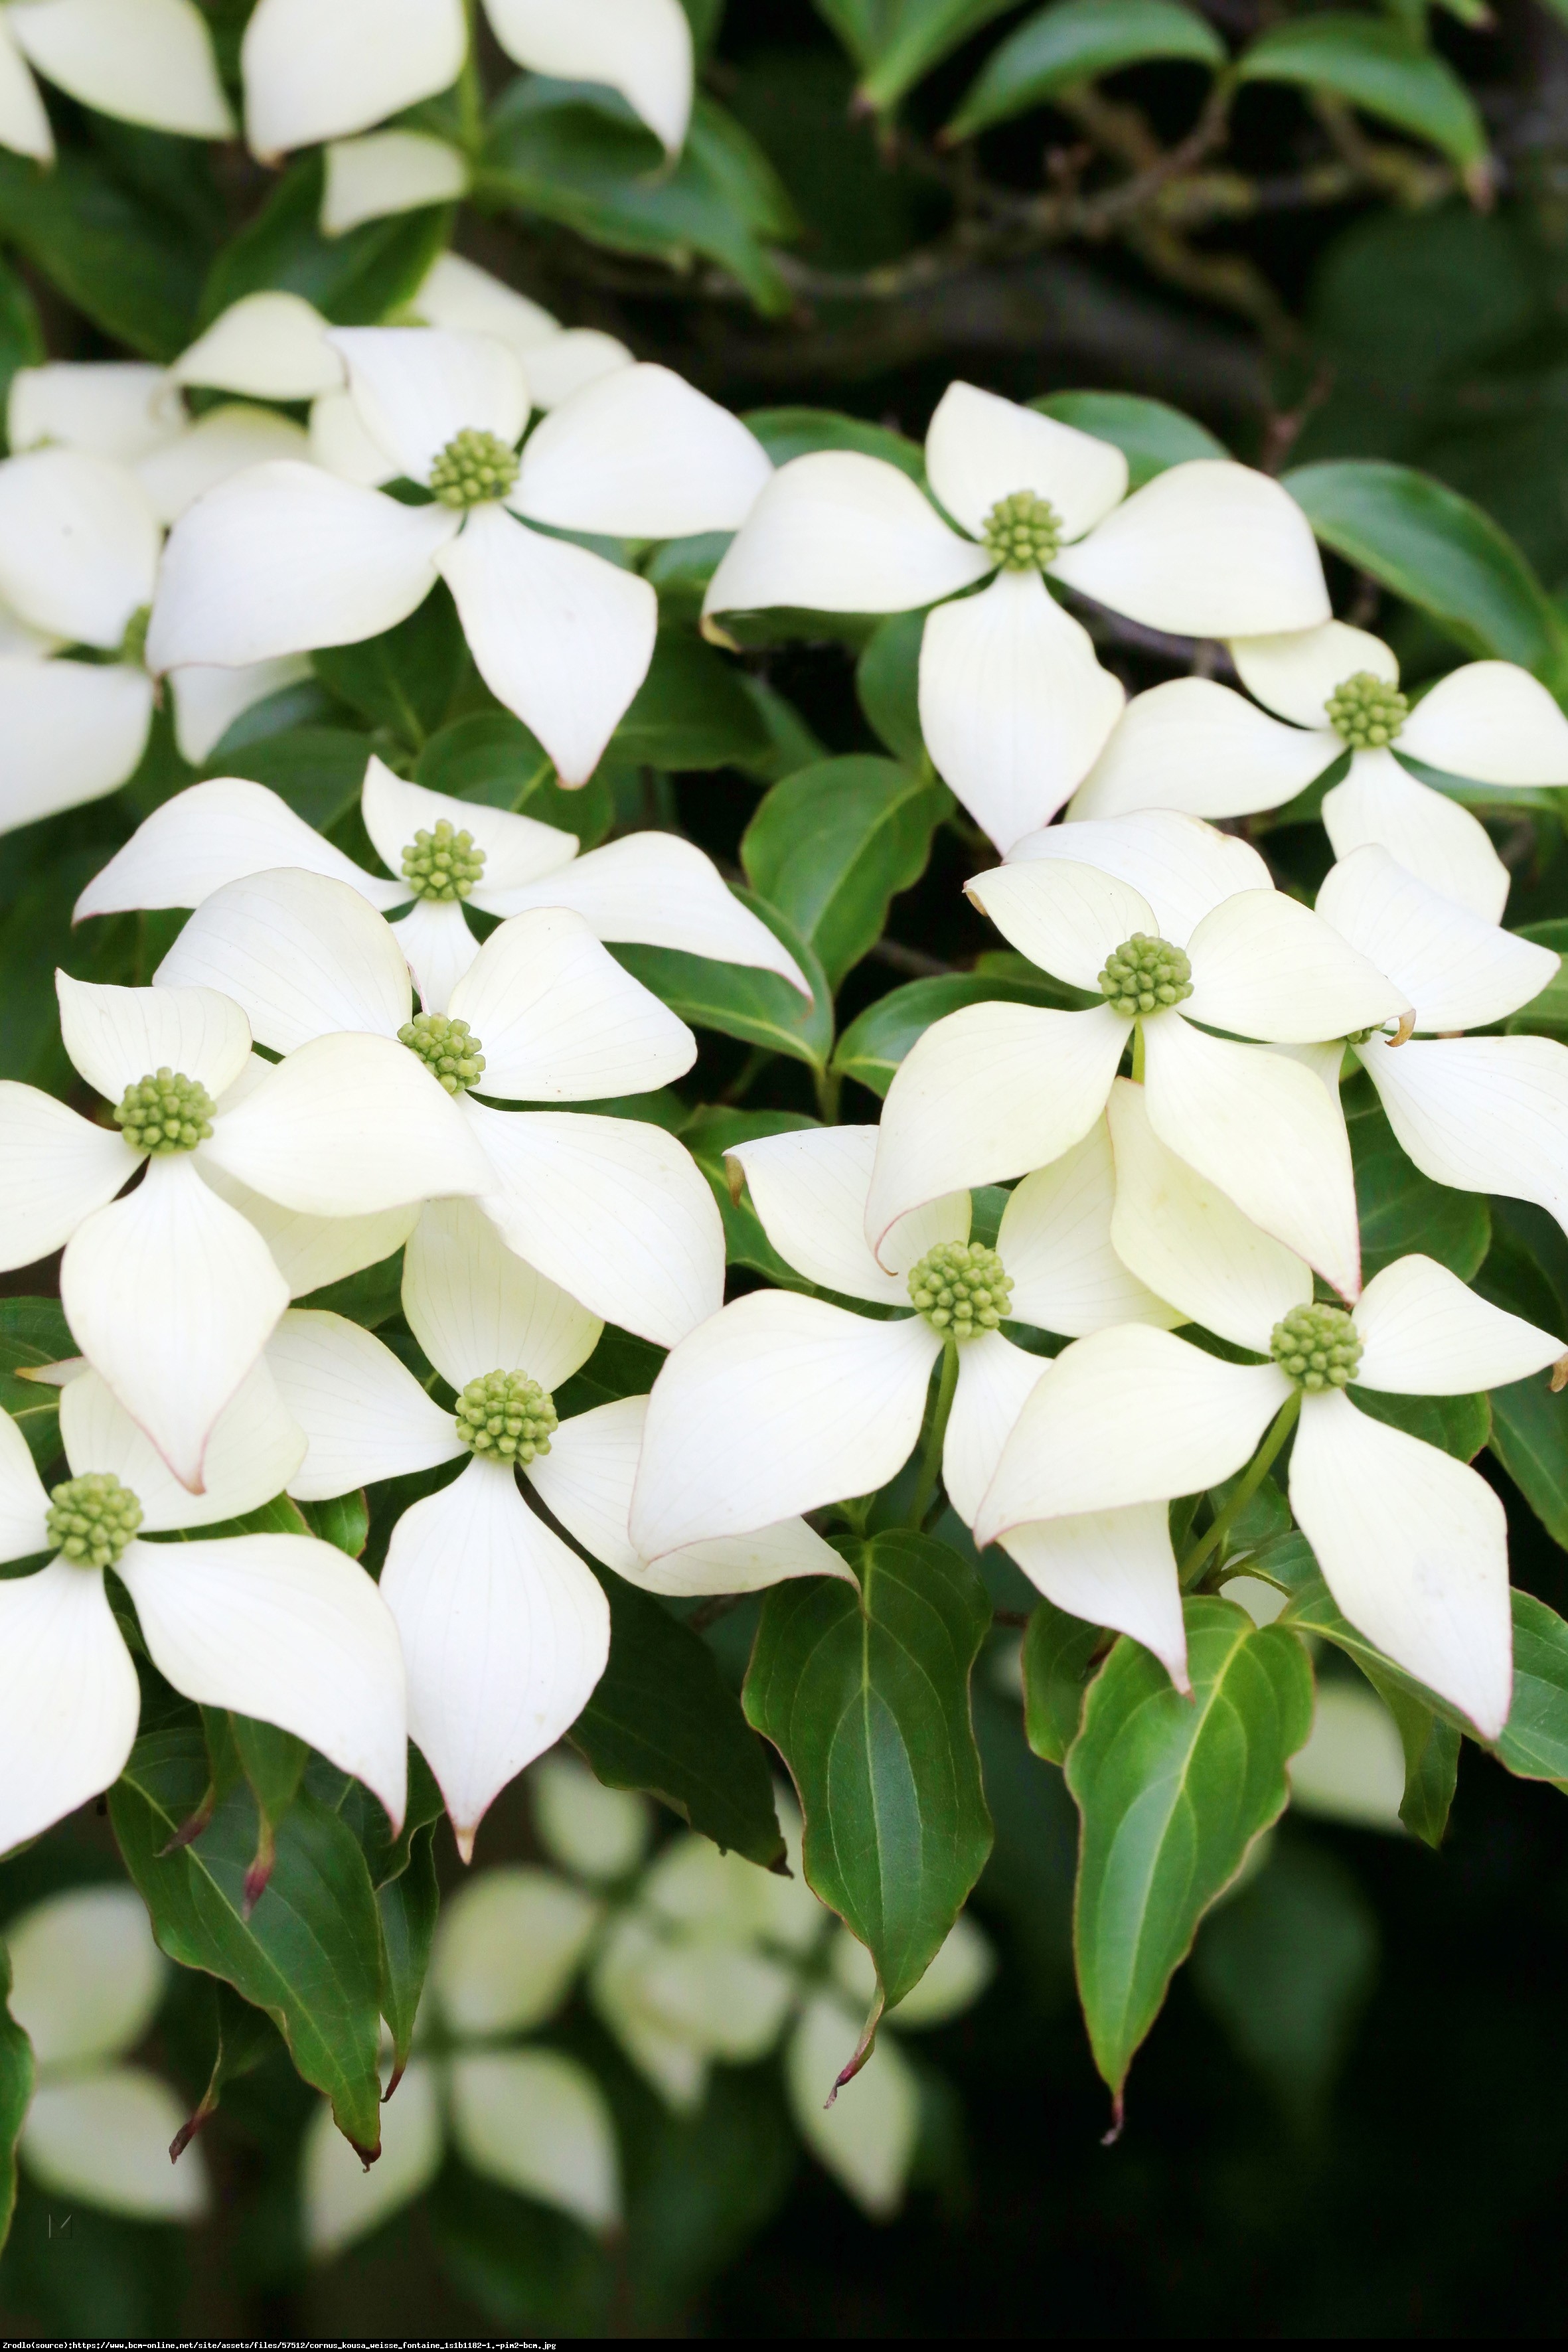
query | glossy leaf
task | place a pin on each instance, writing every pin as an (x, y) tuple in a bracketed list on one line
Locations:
[(492, 757), (356, 279), (1534, 1741), (15, 2093), (872, 1046), (407, 1907), (1076, 41), (708, 1136), (317, 770), (1381, 68), (1431, 1747), (1402, 1211), (760, 1007), (1058, 1661), (831, 846), (691, 711), (343, 1520), (887, 686), (1150, 436), (1530, 1438), (33, 1331), (1460, 1425), (786, 433), (406, 678), (897, 41)]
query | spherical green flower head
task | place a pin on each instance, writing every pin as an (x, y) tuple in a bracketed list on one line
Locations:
[(164, 1111), (1145, 976), (443, 863), (1366, 712), (448, 1049), (1022, 531), (92, 1519), (961, 1287), (506, 1417), (473, 468), (1317, 1347)]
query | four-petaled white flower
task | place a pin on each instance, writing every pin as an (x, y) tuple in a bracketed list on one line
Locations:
[(1014, 705), (147, 61), (1194, 745)]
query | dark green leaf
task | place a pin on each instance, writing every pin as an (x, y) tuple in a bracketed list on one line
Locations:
[(406, 678), (492, 757), (873, 1047), (760, 1007), (1534, 1739), (1460, 1425), (886, 683), (1060, 1653), (33, 1331), (407, 1907), (1076, 41), (895, 44), (786, 433), (691, 711), (621, 1366), (15, 2093), (1379, 67), (317, 770), (343, 1520), (370, 1297), (1402, 1211), (356, 279), (21, 333), (121, 262), (1149, 434), (273, 1763), (708, 1136), (1431, 1746), (1547, 1013), (831, 846), (245, 2037), (1530, 1438)]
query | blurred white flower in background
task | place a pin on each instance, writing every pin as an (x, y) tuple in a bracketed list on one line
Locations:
[(148, 61)]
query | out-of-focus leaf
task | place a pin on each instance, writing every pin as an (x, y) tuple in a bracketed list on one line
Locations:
[(33, 1331), (15, 2093), (1380, 66), (1058, 1664), (1546, 1014), (245, 2037), (121, 262), (741, 1000), (833, 845), (894, 42), (492, 757), (786, 433), (406, 678), (21, 330), (356, 280), (1149, 434), (1403, 1212), (691, 711), (317, 770), (1076, 41), (1431, 1746), (407, 1907), (872, 1046)]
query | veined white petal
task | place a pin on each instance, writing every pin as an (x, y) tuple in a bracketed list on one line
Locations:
[(435, 939), (518, 849), (839, 532), (72, 1698), (981, 448), (1265, 1130), (1430, 835), (1115, 1568), (1207, 549), (72, 730), (340, 444), (153, 63), (773, 1407), (218, 445), (212, 833), (1414, 1547), (572, 361), (560, 635), (86, 1975), (1014, 706), (116, 1036), (388, 172), (1055, 1244), (1182, 867), (254, 1450), (866, 2139), (79, 544), (1198, 1420), (1265, 965), (614, 1210), (24, 1504), (475, 1307), (284, 558), (114, 408), (538, 2122), (641, 454), (994, 1378), (54, 1170), (984, 1094), (1190, 1242), (285, 1627), (641, 48), (560, 1021), (317, 69), (1067, 918), (208, 700), (809, 1189), (416, 388), (105, 2136), (23, 123), (1192, 744), (1296, 671), (310, 1252), (342, 2201), (1491, 720), (362, 1410), (1426, 1333), (505, 1632), (271, 345), (1483, 1114), (458, 294), (509, 1946), (1457, 971), (302, 954)]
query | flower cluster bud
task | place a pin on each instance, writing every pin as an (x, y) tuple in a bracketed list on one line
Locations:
[(1022, 531), (473, 468), (506, 1417), (442, 863), (164, 1111), (92, 1519), (1145, 976), (1318, 1347), (961, 1287), (448, 1049), (1366, 712)]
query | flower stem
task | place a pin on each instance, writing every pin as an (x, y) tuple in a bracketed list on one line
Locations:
[(1280, 1429), (1138, 1053), (930, 1458)]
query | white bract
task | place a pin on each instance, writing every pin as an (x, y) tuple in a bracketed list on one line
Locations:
[(1194, 745), (1412, 1543), (148, 61), (283, 1627), (171, 1291), (1171, 924), (288, 557), (86, 1983), (1014, 705), (558, 361)]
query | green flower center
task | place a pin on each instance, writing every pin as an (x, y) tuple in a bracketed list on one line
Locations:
[(164, 1111), (448, 1049), (474, 467), (1145, 976), (506, 1417), (1366, 712), (961, 1288), (443, 864), (1022, 531), (133, 644), (1317, 1347), (92, 1519)]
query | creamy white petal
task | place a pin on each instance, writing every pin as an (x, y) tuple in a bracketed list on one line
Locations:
[(1198, 1420), (341, 2199), (70, 1697), (597, 1833), (641, 454), (416, 388), (1484, 1114), (115, 408), (1014, 706), (271, 345), (54, 1170), (1066, 917), (285, 1627), (362, 1410), (1430, 835), (518, 849), (1189, 1242), (560, 635), (560, 1021), (994, 1378), (302, 954), (641, 48), (340, 444), (809, 1189), (458, 294), (1457, 971), (839, 532), (116, 1036), (86, 1975), (1414, 1547), (1426, 1333), (254, 1450), (151, 63), (775, 1406), (1265, 1132), (572, 361), (1265, 965), (1491, 720), (23, 1504), (316, 69), (213, 833), (614, 1210), (1055, 1244), (310, 1252), (538, 2122), (1194, 745), (435, 939), (504, 1631), (1207, 549), (284, 558), (986, 1094), (1296, 671), (79, 544), (475, 1307), (1181, 865), (868, 2138), (388, 172), (104, 2137), (508, 1948), (981, 448), (72, 731), (24, 121), (216, 446), (1114, 1568)]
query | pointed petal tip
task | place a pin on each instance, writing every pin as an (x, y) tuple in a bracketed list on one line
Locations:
[(464, 1838)]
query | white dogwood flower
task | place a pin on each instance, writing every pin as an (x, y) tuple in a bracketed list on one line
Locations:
[(1171, 924), (1195, 745), (286, 557), (558, 361), (148, 61), (614, 1211), (283, 1627), (450, 855), (1014, 705), (1412, 1543), (170, 1291)]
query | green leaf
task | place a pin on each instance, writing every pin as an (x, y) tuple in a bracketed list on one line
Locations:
[(493, 758), (896, 41), (831, 848), (708, 1136), (21, 333), (309, 1953), (407, 1907), (1402, 1211), (1546, 1014), (739, 1000), (1381, 68), (1173, 1791), (1074, 42), (691, 711), (786, 433), (662, 1720), (406, 678), (372, 1297), (872, 1046), (1431, 1746), (1530, 1438), (887, 685), (343, 1520), (245, 2037), (273, 1763), (1060, 1656), (866, 1695), (1460, 1425), (317, 770), (1150, 436), (1437, 551), (33, 1331), (1534, 1740), (356, 280), (15, 2093), (124, 264)]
